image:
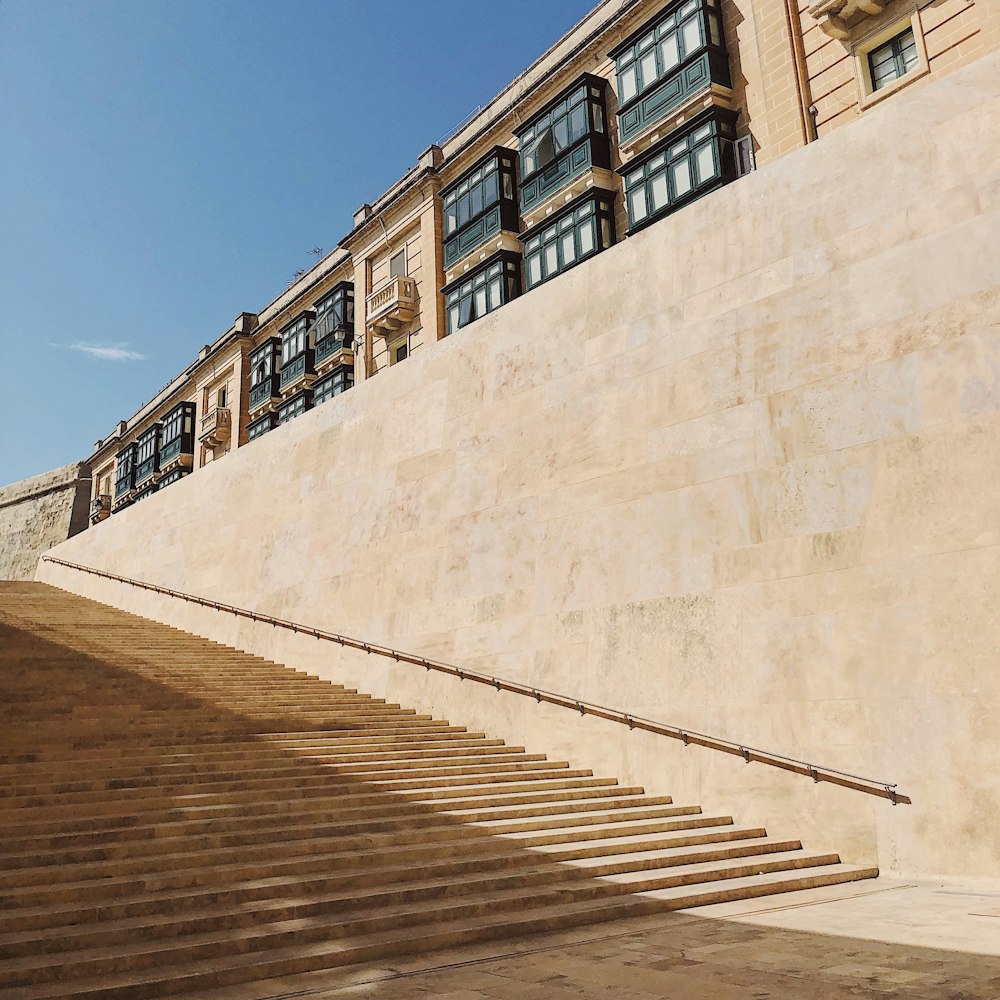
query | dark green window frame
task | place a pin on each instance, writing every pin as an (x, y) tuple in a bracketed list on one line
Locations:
[(171, 477), (125, 470), (480, 204), (294, 407), (473, 296), (337, 382), (583, 230), (147, 453), (295, 338), (562, 141), (335, 315), (177, 437), (663, 47), (687, 165), (660, 66), (264, 372), (261, 427), (893, 59)]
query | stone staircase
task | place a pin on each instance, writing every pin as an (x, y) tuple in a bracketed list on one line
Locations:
[(177, 816)]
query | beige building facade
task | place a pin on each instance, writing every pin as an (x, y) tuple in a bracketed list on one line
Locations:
[(640, 110)]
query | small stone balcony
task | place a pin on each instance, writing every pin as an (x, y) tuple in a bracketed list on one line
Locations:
[(392, 307), (837, 17), (216, 427), (100, 508)]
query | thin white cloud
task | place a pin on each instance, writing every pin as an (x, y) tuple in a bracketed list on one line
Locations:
[(109, 352)]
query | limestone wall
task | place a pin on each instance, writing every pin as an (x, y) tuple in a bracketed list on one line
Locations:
[(40, 512), (740, 473)]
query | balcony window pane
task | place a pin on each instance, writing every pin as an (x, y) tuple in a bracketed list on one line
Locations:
[(659, 194), (705, 161), (647, 68), (587, 238), (637, 205), (681, 176), (534, 269), (692, 35), (669, 54), (627, 85), (551, 260)]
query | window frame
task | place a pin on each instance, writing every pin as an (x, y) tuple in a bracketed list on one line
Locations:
[(878, 37), (295, 333), (715, 130), (589, 91), (301, 403), (125, 465), (552, 231), (269, 419), (500, 162), (325, 325), (394, 272), (466, 287), (147, 453), (342, 374), (177, 428), (650, 40)]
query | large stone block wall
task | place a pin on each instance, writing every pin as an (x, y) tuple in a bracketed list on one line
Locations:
[(40, 512), (740, 473)]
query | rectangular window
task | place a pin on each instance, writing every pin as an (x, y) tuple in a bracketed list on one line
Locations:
[(220, 398), (583, 231), (400, 352), (486, 290), (689, 165), (397, 266), (560, 128), (125, 470), (173, 424), (335, 313), (260, 427), (294, 339), (665, 45), (295, 407), (261, 364), (894, 59), (334, 384), (480, 205)]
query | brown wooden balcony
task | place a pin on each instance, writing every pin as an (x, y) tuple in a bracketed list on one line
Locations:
[(392, 307), (216, 427)]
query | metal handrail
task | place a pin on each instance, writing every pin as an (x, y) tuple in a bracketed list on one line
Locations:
[(870, 786)]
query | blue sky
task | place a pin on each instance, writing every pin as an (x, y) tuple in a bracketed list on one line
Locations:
[(165, 165)]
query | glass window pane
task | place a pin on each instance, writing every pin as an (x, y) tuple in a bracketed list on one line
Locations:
[(551, 260), (669, 54), (451, 220), (560, 134), (534, 269), (578, 123), (491, 190), (647, 69), (715, 35), (476, 200), (568, 249), (627, 86), (705, 162), (466, 312), (691, 33), (587, 234), (658, 191), (637, 205), (495, 293), (453, 319), (680, 174)]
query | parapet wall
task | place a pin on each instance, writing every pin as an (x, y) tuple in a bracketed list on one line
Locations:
[(740, 473), (40, 512)]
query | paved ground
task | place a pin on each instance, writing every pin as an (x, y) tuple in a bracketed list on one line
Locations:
[(873, 939)]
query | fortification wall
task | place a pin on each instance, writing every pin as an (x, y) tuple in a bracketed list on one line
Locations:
[(740, 473), (40, 512)]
